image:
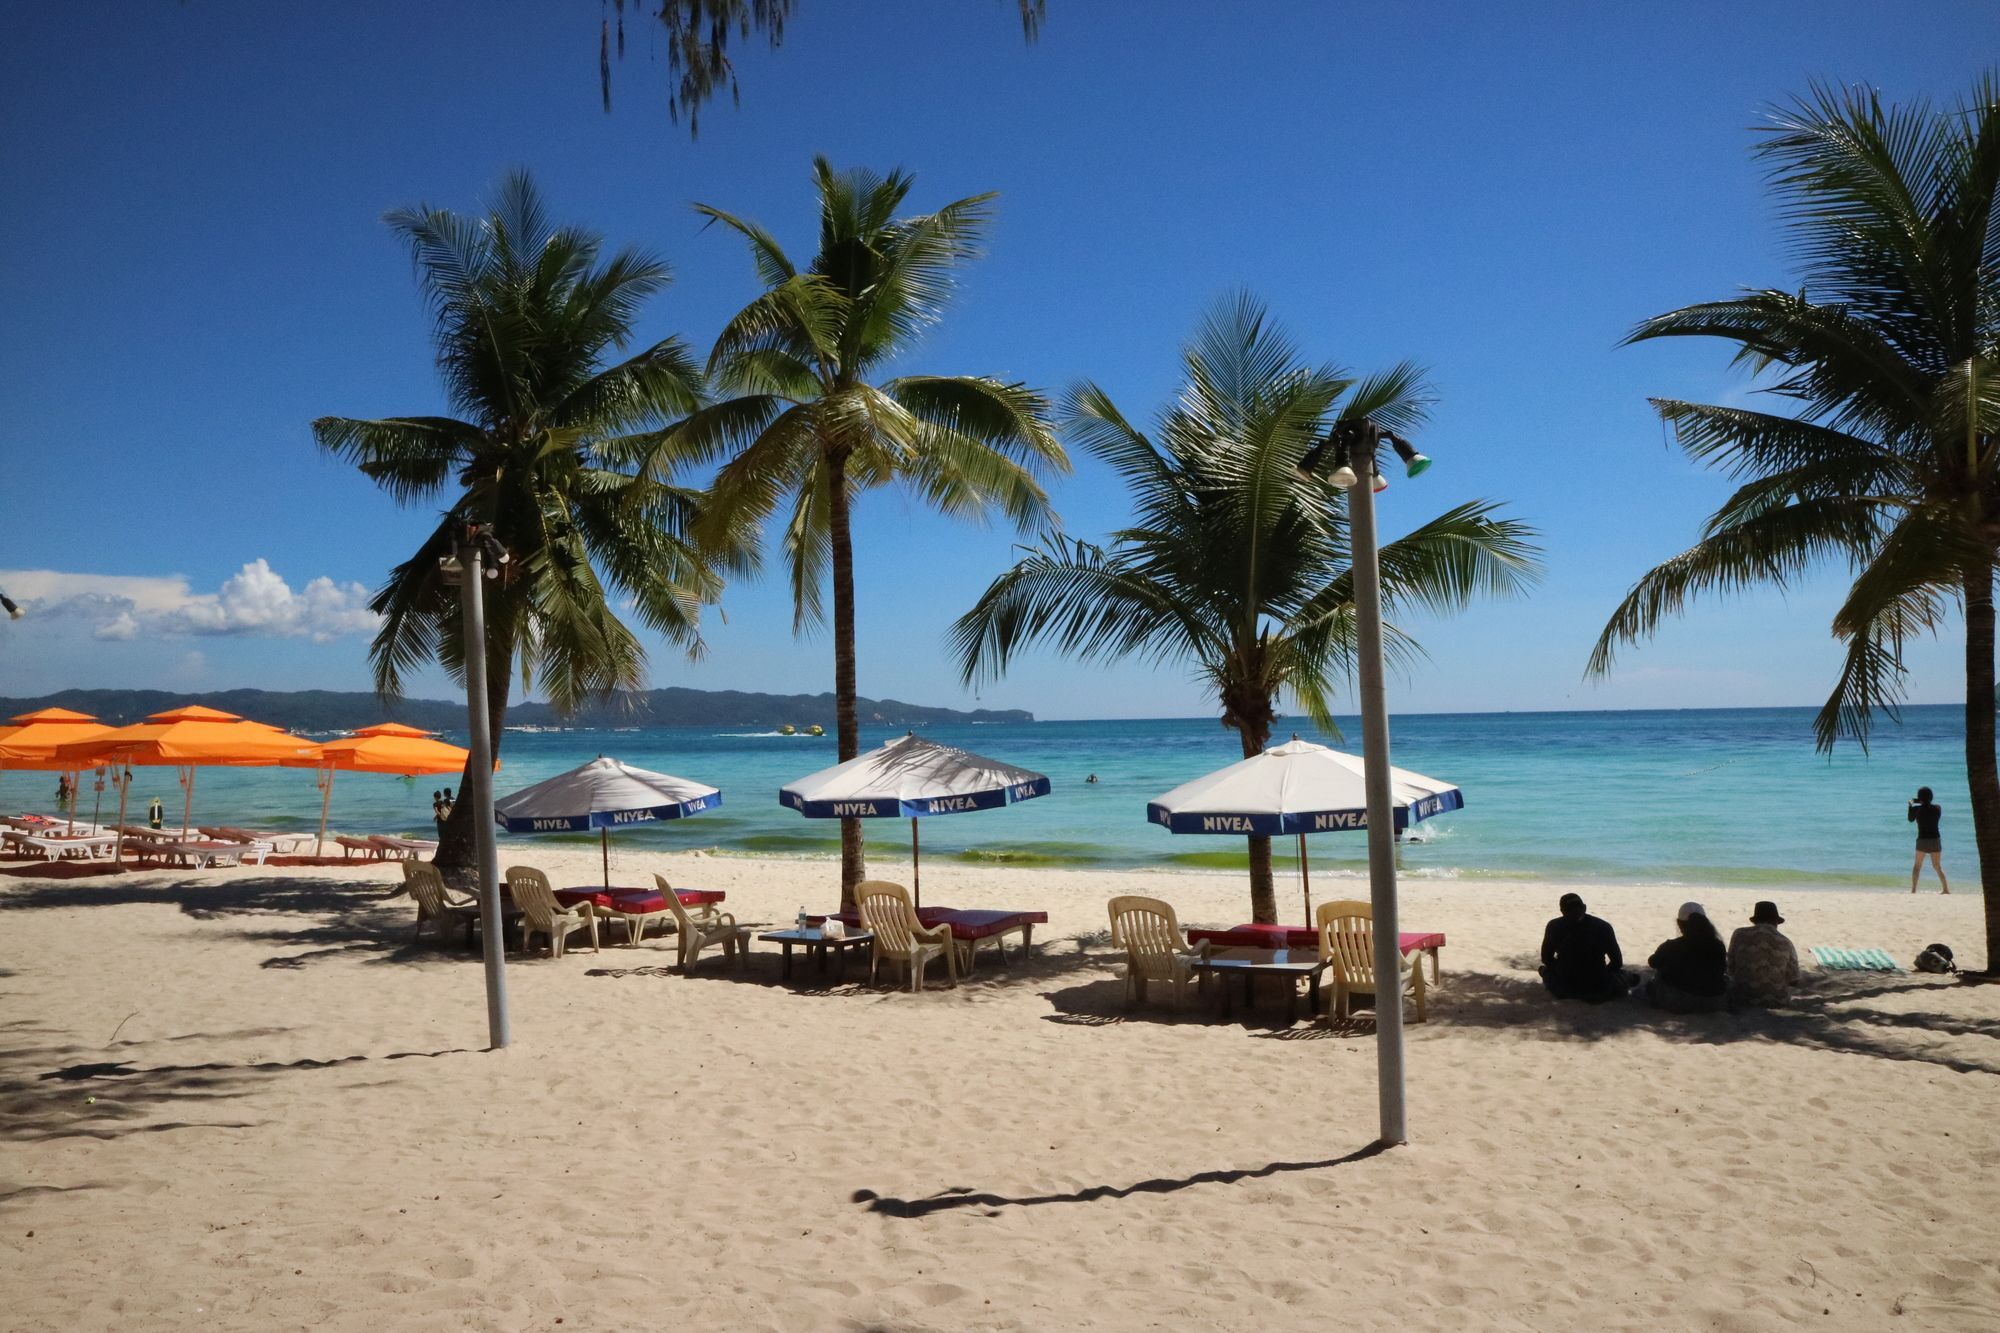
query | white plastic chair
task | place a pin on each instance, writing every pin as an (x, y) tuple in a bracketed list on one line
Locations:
[(695, 933), (435, 904), (1156, 948), (1347, 940), (541, 914), (887, 914)]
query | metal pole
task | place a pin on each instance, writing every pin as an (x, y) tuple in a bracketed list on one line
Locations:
[(1305, 881), (916, 867), (479, 777), (1381, 815)]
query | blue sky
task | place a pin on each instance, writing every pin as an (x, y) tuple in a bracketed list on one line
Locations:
[(192, 267)]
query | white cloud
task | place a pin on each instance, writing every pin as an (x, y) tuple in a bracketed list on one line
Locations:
[(255, 600), (121, 627)]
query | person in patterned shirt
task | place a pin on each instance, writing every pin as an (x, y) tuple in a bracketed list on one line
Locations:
[(1763, 965)]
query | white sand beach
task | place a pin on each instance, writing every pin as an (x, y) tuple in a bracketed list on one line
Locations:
[(240, 1099)]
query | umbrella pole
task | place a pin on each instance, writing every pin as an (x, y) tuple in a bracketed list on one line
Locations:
[(604, 845), (1305, 880), (916, 865), (97, 805), (187, 804), (325, 804), (124, 787)]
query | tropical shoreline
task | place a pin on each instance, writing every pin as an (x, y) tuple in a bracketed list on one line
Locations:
[(305, 1130)]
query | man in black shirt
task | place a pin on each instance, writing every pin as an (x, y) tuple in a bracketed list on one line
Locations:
[(1580, 956)]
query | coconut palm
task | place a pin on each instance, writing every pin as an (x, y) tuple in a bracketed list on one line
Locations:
[(810, 426), (559, 453), (1236, 562), (696, 34), (1889, 459)]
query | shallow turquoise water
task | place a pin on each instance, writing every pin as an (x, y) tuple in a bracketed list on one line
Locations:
[(1732, 797)]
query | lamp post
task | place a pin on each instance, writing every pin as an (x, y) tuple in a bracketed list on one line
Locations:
[(466, 570), (1357, 469)]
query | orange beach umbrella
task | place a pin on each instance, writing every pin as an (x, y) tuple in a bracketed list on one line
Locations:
[(386, 747), (30, 741), (185, 738)]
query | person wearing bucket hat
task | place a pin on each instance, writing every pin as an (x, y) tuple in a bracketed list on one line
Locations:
[(1763, 965), (1690, 971)]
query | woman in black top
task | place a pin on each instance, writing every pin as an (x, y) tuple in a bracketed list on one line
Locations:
[(1690, 972), (1924, 814)]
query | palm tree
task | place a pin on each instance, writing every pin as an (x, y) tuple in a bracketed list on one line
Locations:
[(1237, 560), (1889, 355), (810, 427), (561, 454), (696, 34)]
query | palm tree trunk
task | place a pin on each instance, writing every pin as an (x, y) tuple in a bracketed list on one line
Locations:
[(1982, 768), (847, 725), (1263, 893), (457, 855)]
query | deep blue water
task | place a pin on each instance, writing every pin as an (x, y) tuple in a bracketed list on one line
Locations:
[(1729, 796)]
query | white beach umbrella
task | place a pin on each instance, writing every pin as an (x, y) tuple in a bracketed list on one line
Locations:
[(603, 794), (1298, 787), (911, 778)]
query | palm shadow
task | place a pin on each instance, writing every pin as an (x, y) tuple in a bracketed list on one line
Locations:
[(1818, 1017), (962, 1197)]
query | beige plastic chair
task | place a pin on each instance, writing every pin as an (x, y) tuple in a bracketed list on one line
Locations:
[(1347, 940), (1156, 948), (435, 904), (697, 931), (887, 914), (541, 914)]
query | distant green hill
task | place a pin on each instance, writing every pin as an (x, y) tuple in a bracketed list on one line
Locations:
[(334, 710)]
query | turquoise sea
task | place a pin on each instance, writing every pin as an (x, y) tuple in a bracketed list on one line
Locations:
[(1733, 797)]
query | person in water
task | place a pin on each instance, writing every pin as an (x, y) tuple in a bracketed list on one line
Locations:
[(1690, 971), (1924, 813), (1580, 956)]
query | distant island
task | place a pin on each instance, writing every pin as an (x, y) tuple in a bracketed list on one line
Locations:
[(337, 710)]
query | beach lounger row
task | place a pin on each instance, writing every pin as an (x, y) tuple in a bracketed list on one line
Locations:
[(178, 847), (382, 846)]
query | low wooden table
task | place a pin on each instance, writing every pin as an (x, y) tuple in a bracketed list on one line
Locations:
[(1251, 963), (816, 942)]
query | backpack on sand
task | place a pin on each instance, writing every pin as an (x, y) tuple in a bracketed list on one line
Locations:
[(1936, 958)]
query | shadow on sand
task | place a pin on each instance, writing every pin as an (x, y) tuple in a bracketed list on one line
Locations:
[(962, 1197)]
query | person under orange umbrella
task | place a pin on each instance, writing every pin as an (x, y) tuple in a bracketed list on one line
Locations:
[(386, 747)]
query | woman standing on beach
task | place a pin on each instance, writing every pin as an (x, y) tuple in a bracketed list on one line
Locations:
[(1924, 814)]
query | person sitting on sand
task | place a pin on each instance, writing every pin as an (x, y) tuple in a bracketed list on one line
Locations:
[(1580, 956), (1690, 971), (1763, 965)]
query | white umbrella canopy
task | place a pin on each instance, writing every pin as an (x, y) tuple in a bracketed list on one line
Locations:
[(910, 778), (1298, 787), (603, 794)]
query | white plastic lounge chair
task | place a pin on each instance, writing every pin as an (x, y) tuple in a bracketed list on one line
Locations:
[(887, 914), (436, 904), (283, 844), (696, 932), (541, 914), (88, 848), (403, 847), (1347, 939), (1156, 948)]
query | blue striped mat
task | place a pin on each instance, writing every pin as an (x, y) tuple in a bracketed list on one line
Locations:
[(1855, 960)]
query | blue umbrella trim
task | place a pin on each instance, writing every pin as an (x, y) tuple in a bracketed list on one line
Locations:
[(1317, 821), (890, 807), (602, 819)]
